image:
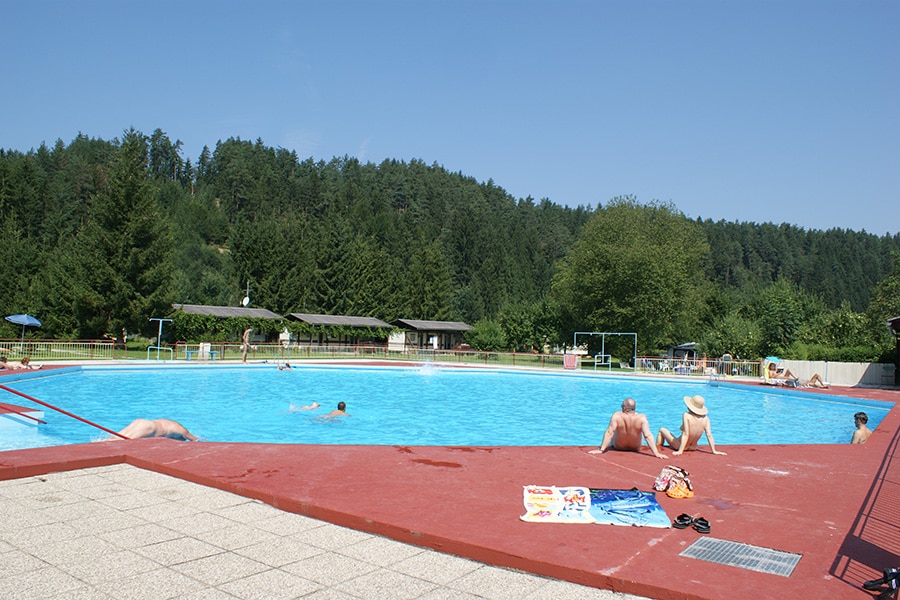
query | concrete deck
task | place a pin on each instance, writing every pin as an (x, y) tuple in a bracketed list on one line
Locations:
[(836, 505)]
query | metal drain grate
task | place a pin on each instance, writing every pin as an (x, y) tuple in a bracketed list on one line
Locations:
[(745, 556)]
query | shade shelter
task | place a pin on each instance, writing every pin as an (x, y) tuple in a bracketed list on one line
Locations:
[(341, 329), (431, 335)]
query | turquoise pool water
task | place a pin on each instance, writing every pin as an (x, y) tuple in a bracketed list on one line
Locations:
[(414, 406)]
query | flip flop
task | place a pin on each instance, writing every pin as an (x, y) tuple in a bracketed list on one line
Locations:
[(701, 525), (683, 521)]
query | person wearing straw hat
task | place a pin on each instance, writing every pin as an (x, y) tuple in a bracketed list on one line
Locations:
[(694, 423)]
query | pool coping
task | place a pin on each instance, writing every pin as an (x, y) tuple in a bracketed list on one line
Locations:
[(830, 503)]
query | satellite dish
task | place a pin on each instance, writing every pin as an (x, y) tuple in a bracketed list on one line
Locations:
[(245, 301)]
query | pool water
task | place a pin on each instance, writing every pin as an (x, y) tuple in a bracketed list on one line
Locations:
[(415, 406)]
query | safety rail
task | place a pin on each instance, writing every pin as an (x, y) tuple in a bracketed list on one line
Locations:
[(60, 410), (698, 367), (231, 351), (39, 350)]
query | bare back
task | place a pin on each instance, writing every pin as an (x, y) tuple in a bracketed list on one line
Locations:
[(629, 428), (693, 427)]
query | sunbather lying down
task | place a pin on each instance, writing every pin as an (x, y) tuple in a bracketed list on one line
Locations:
[(776, 376)]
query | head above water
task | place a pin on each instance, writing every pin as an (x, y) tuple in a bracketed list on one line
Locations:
[(628, 405), (861, 417), (696, 404), (342, 406)]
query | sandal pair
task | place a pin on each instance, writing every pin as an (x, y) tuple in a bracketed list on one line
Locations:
[(683, 521)]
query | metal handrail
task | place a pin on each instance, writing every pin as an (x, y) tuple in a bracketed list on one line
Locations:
[(65, 412)]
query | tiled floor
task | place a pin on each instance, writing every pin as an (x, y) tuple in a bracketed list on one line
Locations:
[(123, 532)]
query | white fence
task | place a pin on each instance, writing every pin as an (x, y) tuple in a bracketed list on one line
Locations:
[(843, 373)]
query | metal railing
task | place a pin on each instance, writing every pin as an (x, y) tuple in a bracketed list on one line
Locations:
[(38, 350), (701, 367)]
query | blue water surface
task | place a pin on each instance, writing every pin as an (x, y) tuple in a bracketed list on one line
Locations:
[(415, 406)]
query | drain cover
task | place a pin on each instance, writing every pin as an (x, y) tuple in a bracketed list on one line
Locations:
[(745, 556)]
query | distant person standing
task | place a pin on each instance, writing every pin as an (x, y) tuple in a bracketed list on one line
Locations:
[(245, 344), (862, 432)]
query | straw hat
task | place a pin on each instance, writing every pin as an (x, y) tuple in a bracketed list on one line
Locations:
[(696, 404)]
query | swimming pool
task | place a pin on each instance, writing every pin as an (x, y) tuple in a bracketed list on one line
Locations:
[(414, 406)]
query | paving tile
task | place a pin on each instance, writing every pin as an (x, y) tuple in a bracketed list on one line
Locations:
[(554, 588), (108, 567), (437, 567), (220, 568), (44, 534), (38, 584), (198, 523), (380, 551), (163, 510), (279, 551), (497, 584), (144, 534), (387, 585), (329, 569), (159, 584), (177, 551), (73, 550), (284, 523), (16, 562), (235, 537), (250, 511), (331, 537), (273, 584)]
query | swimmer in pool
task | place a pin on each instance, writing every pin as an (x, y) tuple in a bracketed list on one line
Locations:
[(312, 406), (626, 427), (143, 428), (340, 412), (862, 432)]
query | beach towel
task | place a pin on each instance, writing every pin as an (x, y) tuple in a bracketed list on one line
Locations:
[(579, 504)]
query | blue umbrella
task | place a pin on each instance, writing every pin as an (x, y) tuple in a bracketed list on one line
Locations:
[(773, 359), (24, 321)]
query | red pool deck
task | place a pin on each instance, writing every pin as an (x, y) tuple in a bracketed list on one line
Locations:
[(836, 505)]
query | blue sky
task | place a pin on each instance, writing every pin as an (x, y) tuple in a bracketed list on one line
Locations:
[(752, 110)]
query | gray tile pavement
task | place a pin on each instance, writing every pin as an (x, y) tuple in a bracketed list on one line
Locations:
[(121, 532)]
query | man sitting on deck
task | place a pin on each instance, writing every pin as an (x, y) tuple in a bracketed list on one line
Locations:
[(143, 428), (625, 430)]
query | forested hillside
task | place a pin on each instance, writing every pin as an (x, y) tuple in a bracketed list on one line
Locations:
[(100, 235)]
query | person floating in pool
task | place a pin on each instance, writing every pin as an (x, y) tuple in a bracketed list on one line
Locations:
[(285, 367), (862, 432), (144, 428), (312, 406), (626, 427), (694, 424)]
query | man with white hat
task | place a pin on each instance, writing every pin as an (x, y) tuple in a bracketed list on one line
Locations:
[(694, 424)]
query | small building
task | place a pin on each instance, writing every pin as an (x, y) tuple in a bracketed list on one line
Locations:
[(687, 351), (341, 329), (229, 312), (431, 335)]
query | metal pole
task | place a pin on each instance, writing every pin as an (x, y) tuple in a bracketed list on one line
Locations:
[(159, 335)]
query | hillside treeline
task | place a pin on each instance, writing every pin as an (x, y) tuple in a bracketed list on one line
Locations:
[(98, 236)]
